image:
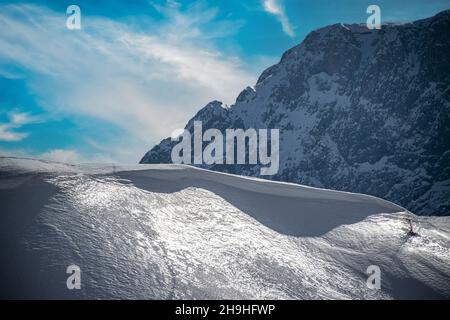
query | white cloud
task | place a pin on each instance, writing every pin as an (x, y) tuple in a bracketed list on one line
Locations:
[(68, 155), (146, 83), (276, 8), (7, 135), (16, 120), (61, 155)]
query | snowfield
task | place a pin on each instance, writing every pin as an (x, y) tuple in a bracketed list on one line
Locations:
[(178, 232)]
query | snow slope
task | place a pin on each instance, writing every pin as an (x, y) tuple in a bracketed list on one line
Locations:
[(178, 232)]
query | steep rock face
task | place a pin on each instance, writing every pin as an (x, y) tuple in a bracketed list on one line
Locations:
[(358, 110)]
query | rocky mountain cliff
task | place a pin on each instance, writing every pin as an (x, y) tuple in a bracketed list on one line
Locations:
[(358, 110)]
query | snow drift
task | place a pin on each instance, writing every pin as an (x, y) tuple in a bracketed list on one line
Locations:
[(178, 232)]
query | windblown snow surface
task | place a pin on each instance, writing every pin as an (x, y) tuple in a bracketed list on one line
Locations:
[(178, 232)]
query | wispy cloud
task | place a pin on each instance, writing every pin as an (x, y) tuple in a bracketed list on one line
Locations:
[(7, 135), (145, 83), (62, 155), (67, 155), (276, 8), (16, 121)]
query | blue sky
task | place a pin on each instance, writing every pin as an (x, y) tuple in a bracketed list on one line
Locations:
[(137, 70)]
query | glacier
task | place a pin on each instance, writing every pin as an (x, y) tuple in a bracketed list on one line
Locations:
[(180, 232)]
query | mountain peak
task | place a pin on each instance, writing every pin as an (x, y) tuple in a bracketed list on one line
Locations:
[(357, 110)]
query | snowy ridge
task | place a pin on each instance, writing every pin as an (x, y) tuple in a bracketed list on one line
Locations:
[(165, 231)]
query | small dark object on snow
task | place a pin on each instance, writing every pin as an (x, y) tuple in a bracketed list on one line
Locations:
[(411, 232)]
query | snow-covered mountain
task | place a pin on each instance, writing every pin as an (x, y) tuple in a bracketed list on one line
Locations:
[(358, 110), (173, 231)]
